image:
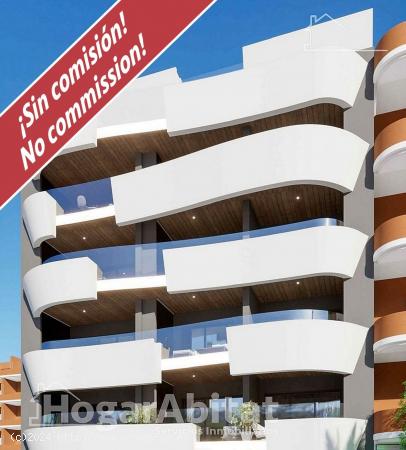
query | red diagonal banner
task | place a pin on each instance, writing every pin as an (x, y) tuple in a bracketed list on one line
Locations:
[(117, 48)]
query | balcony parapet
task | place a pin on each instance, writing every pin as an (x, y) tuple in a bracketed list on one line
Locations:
[(390, 159), (384, 422), (314, 434), (120, 364), (390, 69), (106, 437), (301, 154), (256, 92), (317, 155), (79, 276), (394, 39), (317, 251), (70, 280), (390, 141), (390, 338), (302, 346), (390, 244)]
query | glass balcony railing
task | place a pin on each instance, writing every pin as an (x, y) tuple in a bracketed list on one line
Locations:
[(84, 342), (211, 336), (116, 417), (219, 416), (147, 259), (196, 338), (85, 196)]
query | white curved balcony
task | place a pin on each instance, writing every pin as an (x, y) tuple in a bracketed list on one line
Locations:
[(80, 276), (65, 281), (391, 182), (196, 344), (321, 434), (314, 434), (43, 212), (390, 349), (106, 437), (302, 154), (39, 212), (302, 346), (77, 279), (95, 366), (321, 250), (257, 92), (148, 102), (390, 260), (391, 159)]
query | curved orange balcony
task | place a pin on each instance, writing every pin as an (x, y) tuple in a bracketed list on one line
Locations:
[(390, 73), (394, 38), (390, 338), (393, 134), (390, 325), (391, 230), (390, 159), (384, 421)]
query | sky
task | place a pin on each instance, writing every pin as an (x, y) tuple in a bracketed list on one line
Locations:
[(33, 33)]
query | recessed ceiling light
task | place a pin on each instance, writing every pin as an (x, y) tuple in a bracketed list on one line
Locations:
[(297, 197), (193, 296), (193, 376), (84, 238), (297, 282), (83, 310), (194, 217)]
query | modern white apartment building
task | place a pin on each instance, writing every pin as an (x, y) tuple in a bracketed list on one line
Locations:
[(215, 238)]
